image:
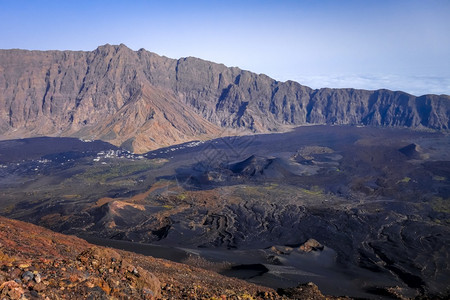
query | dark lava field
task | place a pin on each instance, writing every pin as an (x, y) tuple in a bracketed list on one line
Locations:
[(360, 211)]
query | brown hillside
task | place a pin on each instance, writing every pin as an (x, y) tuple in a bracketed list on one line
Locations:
[(36, 263)]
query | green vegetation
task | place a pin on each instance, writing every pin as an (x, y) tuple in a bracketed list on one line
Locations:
[(117, 169), (404, 180), (281, 194), (271, 186), (440, 204), (314, 191), (181, 196)]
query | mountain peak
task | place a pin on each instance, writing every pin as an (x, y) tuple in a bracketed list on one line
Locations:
[(108, 48)]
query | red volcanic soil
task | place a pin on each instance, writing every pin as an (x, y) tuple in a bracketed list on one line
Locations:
[(36, 263)]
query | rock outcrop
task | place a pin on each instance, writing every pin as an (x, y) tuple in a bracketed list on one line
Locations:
[(311, 245), (141, 101)]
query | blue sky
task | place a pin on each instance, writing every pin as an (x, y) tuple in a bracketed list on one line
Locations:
[(395, 44)]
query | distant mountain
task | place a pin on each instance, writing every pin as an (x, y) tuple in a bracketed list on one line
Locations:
[(141, 101)]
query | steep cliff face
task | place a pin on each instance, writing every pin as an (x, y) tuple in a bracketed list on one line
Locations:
[(143, 101), (103, 94)]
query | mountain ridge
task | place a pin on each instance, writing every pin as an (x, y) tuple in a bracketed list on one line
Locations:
[(142, 101)]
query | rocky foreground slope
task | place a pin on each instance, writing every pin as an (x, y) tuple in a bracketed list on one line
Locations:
[(143, 101), (36, 263)]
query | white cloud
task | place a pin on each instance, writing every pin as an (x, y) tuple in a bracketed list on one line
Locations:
[(416, 85)]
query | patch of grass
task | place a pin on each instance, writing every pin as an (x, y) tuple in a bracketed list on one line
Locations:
[(404, 180), (439, 204), (271, 186), (282, 193), (181, 196), (442, 222), (314, 191), (252, 190)]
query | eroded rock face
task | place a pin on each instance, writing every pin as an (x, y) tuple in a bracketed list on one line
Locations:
[(144, 101), (103, 94)]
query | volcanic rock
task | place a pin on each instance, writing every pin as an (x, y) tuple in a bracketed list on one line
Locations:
[(308, 291), (412, 151), (141, 101), (71, 268), (311, 245)]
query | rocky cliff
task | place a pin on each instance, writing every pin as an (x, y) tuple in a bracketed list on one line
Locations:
[(140, 100)]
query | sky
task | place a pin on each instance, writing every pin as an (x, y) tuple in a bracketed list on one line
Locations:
[(370, 44)]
